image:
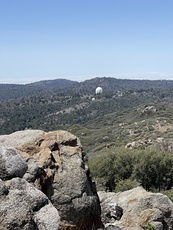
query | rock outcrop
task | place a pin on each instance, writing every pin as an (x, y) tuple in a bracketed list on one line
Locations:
[(11, 163), (45, 184), (149, 109), (139, 208), (22, 206), (56, 167), (139, 143)]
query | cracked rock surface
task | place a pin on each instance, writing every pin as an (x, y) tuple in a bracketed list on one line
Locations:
[(22, 206), (56, 166), (139, 208)]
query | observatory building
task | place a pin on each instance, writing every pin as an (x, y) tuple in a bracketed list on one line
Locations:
[(99, 90)]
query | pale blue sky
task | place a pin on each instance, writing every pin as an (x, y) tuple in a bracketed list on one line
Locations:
[(81, 39)]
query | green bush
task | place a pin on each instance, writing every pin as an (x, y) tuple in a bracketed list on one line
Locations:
[(102, 171), (169, 194), (127, 184), (153, 170), (150, 227), (111, 169), (126, 169)]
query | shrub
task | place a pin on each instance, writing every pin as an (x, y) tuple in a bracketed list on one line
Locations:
[(169, 194), (102, 171), (150, 227), (154, 170), (107, 171), (120, 171), (127, 184)]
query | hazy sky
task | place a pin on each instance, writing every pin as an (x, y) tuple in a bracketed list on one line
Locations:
[(80, 39)]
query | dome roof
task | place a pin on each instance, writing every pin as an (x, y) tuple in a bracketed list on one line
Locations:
[(99, 90)]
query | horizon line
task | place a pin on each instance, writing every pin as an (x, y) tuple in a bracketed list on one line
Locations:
[(152, 76)]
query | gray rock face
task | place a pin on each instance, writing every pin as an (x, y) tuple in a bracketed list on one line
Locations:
[(11, 163), (20, 138), (111, 227), (139, 208), (74, 194), (56, 167), (149, 109), (3, 188), (32, 171), (22, 206)]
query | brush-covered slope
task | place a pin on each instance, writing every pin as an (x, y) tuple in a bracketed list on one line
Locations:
[(127, 111)]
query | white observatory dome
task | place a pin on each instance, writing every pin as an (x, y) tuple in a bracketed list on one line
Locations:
[(99, 90)]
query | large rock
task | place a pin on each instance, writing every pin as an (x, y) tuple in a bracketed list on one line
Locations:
[(56, 167), (11, 163), (21, 138), (139, 207), (22, 206)]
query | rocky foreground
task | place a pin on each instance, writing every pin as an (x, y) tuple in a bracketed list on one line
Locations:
[(45, 184)]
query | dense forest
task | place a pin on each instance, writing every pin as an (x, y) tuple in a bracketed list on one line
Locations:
[(126, 132)]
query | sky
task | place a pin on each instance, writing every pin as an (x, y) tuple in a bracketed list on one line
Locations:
[(83, 39)]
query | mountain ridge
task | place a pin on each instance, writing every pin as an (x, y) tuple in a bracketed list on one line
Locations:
[(15, 91)]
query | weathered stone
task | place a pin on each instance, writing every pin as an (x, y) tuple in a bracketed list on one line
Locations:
[(22, 138), (139, 208), (56, 167), (112, 227), (25, 207), (44, 158), (110, 209), (151, 215), (33, 170), (3, 188), (47, 218), (11, 163), (74, 194), (139, 143), (149, 109), (59, 137)]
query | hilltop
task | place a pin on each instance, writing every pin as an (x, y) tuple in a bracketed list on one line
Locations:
[(16, 91)]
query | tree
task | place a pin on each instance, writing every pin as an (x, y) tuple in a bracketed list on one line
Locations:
[(154, 170)]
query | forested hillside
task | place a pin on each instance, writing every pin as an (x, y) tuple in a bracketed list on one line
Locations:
[(18, 91), (130, 116), (60, 104)]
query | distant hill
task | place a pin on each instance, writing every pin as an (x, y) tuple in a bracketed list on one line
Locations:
[(65, 104), (52, 84), (113, 84), (14, 91)]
